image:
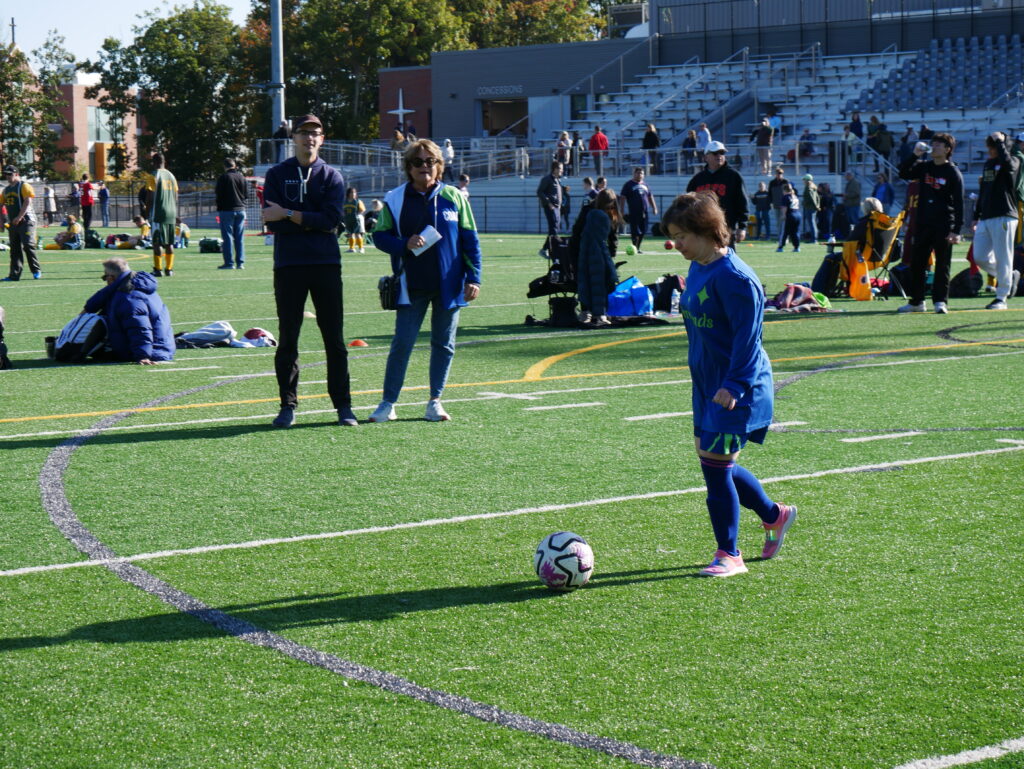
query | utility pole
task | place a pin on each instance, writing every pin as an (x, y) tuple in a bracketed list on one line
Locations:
[(276, 84)]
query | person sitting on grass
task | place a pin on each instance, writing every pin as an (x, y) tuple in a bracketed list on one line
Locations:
[(138, 321), (181, 233), (135, 241), (71, 238), (732, 390)]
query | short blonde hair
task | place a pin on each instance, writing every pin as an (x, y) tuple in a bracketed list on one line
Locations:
[(413, 151)]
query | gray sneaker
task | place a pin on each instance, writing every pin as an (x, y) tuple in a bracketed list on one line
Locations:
[(940, 308), (385, 412), (923, 307), (1014, 282), (435, 412)]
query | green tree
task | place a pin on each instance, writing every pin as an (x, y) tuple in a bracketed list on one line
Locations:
[(497, 23), (30, 108), (118, 70)]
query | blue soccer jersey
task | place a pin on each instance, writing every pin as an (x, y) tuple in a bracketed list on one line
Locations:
[(723, 309)]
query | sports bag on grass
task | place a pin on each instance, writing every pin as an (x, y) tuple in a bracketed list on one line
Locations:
[(964, 285), (80, 338), (209, 245), (630, 297)]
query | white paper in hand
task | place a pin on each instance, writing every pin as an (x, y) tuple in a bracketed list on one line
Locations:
[(431, 236)]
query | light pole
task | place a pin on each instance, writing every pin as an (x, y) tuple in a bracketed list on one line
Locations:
[(276, 84)]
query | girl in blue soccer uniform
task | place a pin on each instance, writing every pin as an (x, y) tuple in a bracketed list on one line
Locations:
[(732, 378)]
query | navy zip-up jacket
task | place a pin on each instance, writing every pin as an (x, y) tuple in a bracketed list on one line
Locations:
[(138, 322), (319, 193)]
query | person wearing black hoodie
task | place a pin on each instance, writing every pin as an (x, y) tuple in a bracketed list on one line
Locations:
[(995, 218), (302, 206), (718, 177), (939, 219)]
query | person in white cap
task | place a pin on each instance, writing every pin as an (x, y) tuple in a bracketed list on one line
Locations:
[(719, 177)]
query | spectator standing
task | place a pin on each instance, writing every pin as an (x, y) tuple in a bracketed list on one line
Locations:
[(448, 156), (778, 204), (164, 190), (463, 185), (850, 144), (827, 203), (762, 200), (354, 219), (851, 198), (791, 225), (549, 193), (103, 196), (566, 208), (811, 201), (598, 146), (398, 142), (856, 127), (925, 134), (689, 147), (703, 138), (995, 218), (75, 200), (302, 200), (444, 276), (727, 184), (650, 145), (280, 137), (232, 193), (138, 322), (883, 144), (884, 192), (637, 197), (595, 269), (589, 193), (21, 224), (763, 136), (731, 390), (907, 142), (938, 219), (87, 199), (49, 204), (578, 150), (563, 152)]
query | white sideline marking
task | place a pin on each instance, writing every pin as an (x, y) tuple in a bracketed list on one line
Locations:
[(563, 406), (968, 756), (664, 415), (487, 516), (190, 368), (514, 396), (886, 436), (1010, 440), (776, 425)]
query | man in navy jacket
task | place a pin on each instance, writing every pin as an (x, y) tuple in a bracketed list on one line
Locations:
[(302, 206), (138, 322)]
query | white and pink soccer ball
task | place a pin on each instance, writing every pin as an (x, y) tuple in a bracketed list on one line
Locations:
[(564, 561)]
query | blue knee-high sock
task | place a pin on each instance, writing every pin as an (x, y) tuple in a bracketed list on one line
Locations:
[(752, 495), (723, 502)]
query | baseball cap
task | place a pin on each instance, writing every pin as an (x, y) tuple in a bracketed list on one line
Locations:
[(715, 147), (10, 170), (1020, 136), (808, 178), (306, 120)]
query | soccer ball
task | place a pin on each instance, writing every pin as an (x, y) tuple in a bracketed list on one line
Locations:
[(564, 561), (630, 250)]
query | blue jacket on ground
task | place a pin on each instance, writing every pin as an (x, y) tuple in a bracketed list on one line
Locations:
[(319, 193), (457, 253), (138, 322), (723, 309)]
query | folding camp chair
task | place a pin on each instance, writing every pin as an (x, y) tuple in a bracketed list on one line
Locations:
[(871, 249)]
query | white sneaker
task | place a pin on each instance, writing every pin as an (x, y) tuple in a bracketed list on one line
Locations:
[(385, 412), (435, 412), (923, 307), (940, 308), (600, 320), (583, 317), (996, 304), (989, 289)]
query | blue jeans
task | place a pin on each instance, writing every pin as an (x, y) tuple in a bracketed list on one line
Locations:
[(408, 319), (852, 216), (764, 224), (105, 212), (811, 225), (232, 230)]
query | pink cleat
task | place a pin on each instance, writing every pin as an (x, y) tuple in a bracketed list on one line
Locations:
[(724, 565), (775, 533)]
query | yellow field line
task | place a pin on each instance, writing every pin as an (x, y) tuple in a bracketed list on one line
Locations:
[(527, 378)]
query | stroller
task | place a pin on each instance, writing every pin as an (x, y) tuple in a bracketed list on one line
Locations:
[(559, 284)]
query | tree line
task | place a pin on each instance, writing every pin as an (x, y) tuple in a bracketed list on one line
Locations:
[(193, 79)]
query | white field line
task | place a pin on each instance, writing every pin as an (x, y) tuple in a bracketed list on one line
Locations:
[(487, 516), (564, 406), (310, 412), (968, 756), (663, 415), (885, 437), (777, 425), (189, 368), (1010, 440)]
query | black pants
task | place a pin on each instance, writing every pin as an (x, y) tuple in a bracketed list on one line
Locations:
[(23, 246), (925, 241), (86, 217), (292, 285), (637, 227)]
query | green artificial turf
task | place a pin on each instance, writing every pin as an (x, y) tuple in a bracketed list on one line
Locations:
[(888, 630)]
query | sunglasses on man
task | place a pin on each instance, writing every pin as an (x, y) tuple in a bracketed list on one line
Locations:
[(420, 162)]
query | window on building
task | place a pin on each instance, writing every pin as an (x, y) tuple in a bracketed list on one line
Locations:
[(99, 127)]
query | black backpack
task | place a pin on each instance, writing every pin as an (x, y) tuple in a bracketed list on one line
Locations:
[(92, 239), (963, 285), (83, 336), (5, 362), (826, 279)]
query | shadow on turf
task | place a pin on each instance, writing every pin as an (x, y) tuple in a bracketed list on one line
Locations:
[(333, 608)]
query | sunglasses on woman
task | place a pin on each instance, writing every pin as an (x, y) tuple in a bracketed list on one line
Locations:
[(420, 162)]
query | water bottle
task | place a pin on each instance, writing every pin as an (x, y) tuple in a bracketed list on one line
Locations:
[(676, 296)]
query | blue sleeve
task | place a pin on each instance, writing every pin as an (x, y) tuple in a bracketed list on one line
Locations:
[(273, 192), (746, 311), (139, 330), (98, 301)]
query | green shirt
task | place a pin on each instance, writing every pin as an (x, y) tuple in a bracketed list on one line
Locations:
[(165, 197)]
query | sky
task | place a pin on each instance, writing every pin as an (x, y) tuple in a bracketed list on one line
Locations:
[(85, 25)]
